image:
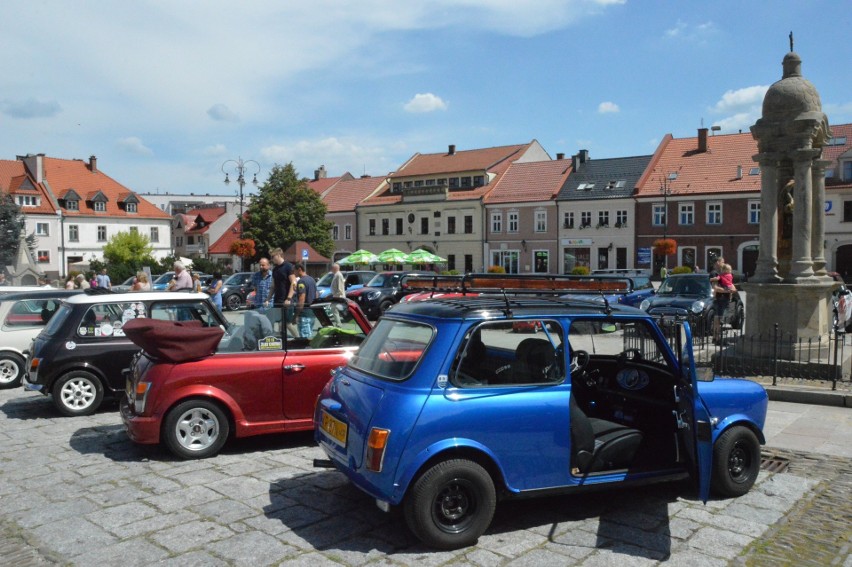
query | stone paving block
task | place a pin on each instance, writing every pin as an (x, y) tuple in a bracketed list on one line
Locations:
[(511, 544), (133, 553), (623, 556), (121, 495), (141, 528), (183, 498), (574, 552), (763, 516), (689, 557), (193, 559), (225, 511), (253, 548), (313, 559), (201, 477), (657, 542), (54, 512), (22, 500), (724, 522), (422, 556), (73, 536), (186, 537), (239, 488), (718, 543), (682, 528), (116, 516), (154, 484)]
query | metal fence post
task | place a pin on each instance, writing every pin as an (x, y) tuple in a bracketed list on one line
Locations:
[(775, 356)]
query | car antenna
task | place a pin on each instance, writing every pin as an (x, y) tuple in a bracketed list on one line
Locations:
[(506, 299), (607, 306)]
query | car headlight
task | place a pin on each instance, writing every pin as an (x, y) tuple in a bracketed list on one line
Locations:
[(644, 305), (373, 295), (697, 307)]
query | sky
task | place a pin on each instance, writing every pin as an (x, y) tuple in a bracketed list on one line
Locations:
[(166, 92)]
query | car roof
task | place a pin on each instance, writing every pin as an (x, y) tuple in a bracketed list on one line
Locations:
[(494, 306), (131, 296), (40, 293)]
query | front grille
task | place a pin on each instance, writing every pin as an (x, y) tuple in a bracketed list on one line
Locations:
[(669, 311)]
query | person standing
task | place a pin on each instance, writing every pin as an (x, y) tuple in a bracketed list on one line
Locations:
[(261, 283), (283, 279), (721, 299), (338, 282), (306, 291), (103, 279), (196, 283), (182, 279), (82, 283), (3, 281), (69, 283), (142, 283), (215, 290)]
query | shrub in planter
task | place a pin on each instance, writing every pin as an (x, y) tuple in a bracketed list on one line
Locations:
[(580, 271), (681, 270), (496, 270)]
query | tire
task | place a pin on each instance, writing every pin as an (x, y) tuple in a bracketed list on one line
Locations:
[(738, 318), (195, 429), (78, 393), (451, 504), (384, 306), (233, 302), (11, 370), (736, 462)]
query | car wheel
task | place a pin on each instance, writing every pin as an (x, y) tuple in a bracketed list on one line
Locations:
[(384, 306), (451, 505), (11, 370), (738, 318), (195, 429), (78, 393), (736, 462), (233, 302)]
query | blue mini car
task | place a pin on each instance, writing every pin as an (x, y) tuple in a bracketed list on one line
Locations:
[(446, 408)]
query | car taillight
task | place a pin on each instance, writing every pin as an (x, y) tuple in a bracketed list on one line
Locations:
[(34, 364), (376, 448), (140, 395)]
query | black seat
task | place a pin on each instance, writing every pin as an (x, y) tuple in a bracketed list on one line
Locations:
[(600, 445), (535, 362), (473, 363)]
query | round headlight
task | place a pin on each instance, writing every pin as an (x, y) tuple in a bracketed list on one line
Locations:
[(644, 305), (697, 307)]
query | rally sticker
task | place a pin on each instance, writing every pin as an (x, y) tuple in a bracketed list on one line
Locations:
[(270, 343), (82, 331), (70, 345), (106, 330)]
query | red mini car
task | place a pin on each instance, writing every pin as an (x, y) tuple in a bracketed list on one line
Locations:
[(255, 383)]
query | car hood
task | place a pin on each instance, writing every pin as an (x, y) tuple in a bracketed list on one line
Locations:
[(681, 301)]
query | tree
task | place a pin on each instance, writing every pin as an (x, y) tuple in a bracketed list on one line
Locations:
[(12, 224), (285, 210), (126, 253)]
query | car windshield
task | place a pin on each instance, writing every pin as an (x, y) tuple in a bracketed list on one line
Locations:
[(165, 278), (326, 279), (393, 349), (323, 325), (235, 279), (57, 320), (685, 286), (382, 280)]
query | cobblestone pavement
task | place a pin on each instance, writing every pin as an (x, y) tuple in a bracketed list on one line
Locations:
[(76, 491)]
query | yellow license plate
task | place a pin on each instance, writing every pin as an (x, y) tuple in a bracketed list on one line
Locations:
[(335, 428)]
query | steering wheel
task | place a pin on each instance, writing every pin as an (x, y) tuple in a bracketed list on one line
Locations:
[(579, 361)]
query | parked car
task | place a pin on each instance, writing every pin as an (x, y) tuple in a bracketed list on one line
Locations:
[(841, 305), (234, 290), (253, 386), (162, 282), (382, 292), (124, 286), (691, 295), (628, 290), (23, 315), (443, 410), (352, 280), (79, 356)]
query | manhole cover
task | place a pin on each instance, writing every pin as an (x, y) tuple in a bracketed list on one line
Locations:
[(774, 464)]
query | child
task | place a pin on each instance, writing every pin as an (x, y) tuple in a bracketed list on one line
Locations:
[(725, 279)]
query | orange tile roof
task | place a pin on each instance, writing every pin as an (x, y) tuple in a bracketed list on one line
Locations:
[(322, 185), (459, 162), (833, 152), (345, 195), (64, 174), (223, 244), (713, 171), (530, 181), (13, 176)]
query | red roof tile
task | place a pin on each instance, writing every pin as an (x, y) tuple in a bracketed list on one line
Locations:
[(530, 181), (458, 162), (15, 180), (345, 195), (323, 184), (223, 244)]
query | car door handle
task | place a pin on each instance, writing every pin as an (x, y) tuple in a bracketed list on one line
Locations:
[(294, 367)]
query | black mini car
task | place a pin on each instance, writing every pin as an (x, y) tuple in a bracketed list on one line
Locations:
[(235, 289), (382, 292), (79, 356), (691, 296)]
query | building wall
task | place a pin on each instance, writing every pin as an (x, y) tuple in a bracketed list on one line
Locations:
[(598, 247), (527, 248)]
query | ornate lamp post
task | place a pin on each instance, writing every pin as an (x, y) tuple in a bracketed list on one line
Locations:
[(239, 167), (62, 240), (666, 190)]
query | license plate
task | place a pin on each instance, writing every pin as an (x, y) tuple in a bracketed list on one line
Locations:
[(335, 429)]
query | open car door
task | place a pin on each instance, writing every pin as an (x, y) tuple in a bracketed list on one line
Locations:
[(692, 417)]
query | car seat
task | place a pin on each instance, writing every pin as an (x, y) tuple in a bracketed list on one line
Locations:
[(535, 362), (473, 362), (600, 445)]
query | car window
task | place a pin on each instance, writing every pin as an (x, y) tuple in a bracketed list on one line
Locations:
[(629, 339), (31, 312), (510, 353), (393, 349), (189, 310), (380, 280), (642, 283), (325, 280), (57, 320), (107, 319)]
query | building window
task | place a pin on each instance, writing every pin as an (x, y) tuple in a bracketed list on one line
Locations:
[(454, 182), (754, 212), (714, 213), (847, 170), (430, 182), (568, 219), (347, 229), (468, 229), (190, 240), (28, 201), (585, 219), (603, 219), (73, 233), (130, 207), (155, 234), (397, 187), (73, 205), (513, 222), (620, 219), (372, 227), (398, 226), (178, 241), (687, 214), (541, 221), (465, 182), (335, 232), (42, 229), (99, 206), (134, 230), (497, 222), (509, 260), (418, 183), (102, 233), (541, 261), (424, 225), (385, 227), (451, 262), (43, 256), (478, 180), (451, 225), (658, 215), (468, 262)]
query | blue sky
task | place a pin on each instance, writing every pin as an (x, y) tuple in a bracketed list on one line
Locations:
[(163, 92)]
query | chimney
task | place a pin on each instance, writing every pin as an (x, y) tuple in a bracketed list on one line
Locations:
[(93, 164), (702, 140), (320, 173), (452, 150), (560, 156), (739, 172), (584, 156)]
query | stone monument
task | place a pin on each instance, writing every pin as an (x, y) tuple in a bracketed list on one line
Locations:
[(790, 285)]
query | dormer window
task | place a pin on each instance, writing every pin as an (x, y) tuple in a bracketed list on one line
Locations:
[(131, 207), (72, 205), (98, 201), (99, 206)]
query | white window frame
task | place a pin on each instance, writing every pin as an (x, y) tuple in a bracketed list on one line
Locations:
[(43, 254), (541, 221), (603, 219), (72, 205), (658, 214), (347, 232), (102, 228), (621, 217), (568, 219), (753, 211), (130, 207), (42, 229), (512, 222), (335, 232), (714, 213), (497, 221), (154, 234), (585, 219), (99, 206), (73, 233), (686, 214)]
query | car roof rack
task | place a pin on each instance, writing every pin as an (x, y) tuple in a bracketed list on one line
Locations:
[(516, 284)]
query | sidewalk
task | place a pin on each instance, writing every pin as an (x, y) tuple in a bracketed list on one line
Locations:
[(816, 392)]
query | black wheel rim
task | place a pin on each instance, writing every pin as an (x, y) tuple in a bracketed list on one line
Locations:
[(739, 463), (455, 506)]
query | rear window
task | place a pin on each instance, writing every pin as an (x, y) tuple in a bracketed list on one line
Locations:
[(108, 319), (31, 312), (393, 349), (57, 320)]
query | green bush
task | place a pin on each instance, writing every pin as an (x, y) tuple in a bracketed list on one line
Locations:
[(580, 271), (496, 270), (681, 270), (450, 273)]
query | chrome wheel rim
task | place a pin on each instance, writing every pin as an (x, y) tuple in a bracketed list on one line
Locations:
[(197, 429), (9, 370), (78, 393)]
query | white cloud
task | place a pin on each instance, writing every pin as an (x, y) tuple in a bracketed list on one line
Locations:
[(739, 121), (698, 33), (221, 113), (356, 157), (608, 107), (215, 150), (134, 145), (30, 108), (425, 102), (739, 99)]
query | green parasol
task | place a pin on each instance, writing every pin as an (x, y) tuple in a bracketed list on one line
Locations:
[(358, 257), (392, 256), (421, 256)]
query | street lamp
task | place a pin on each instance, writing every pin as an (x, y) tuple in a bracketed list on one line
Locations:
[(62, 246), (239, 167), (666, 190)]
